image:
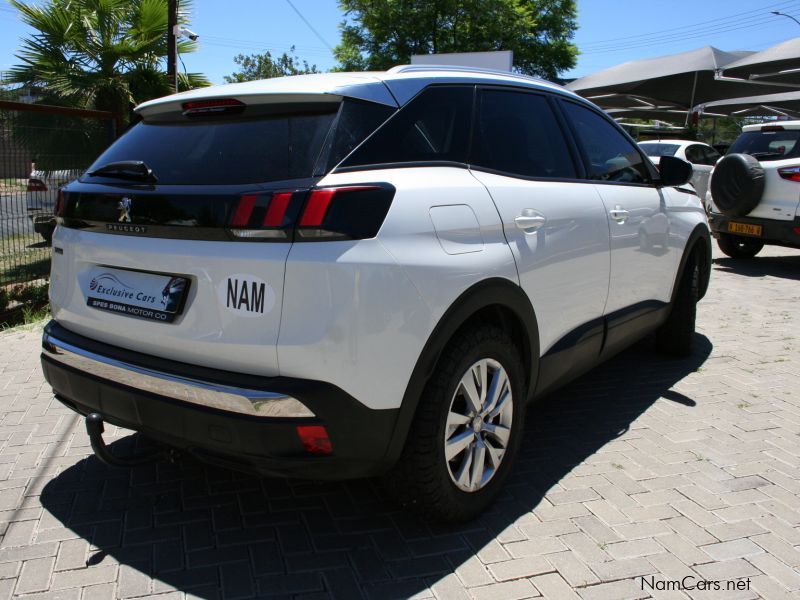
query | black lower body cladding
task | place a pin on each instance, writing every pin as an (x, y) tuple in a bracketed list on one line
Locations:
[(773, 232), (268, 445)]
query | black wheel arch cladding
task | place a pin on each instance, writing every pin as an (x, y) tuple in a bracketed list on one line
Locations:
[(496, 293)]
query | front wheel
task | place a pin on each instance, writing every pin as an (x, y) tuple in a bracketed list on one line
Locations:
[(676, 335), (739, 247), (467, 428)]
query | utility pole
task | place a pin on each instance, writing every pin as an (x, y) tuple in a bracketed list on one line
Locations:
[(172, 45)]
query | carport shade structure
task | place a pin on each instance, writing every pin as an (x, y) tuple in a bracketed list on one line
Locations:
[(776, 65), (786, 104), (678, 80)]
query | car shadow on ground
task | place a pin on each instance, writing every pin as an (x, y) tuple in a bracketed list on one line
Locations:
[(785, 267), (217, 533)]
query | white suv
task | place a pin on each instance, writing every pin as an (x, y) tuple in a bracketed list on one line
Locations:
[(754, 197), (347, 275)]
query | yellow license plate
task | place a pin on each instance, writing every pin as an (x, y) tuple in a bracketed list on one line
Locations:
[(744, 228)]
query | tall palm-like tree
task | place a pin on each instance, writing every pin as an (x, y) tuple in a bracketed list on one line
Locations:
[(102, 54)]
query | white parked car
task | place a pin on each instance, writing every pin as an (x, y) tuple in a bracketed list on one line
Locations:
[(355, 274), (755, 190), (41, 196), (701, 156)]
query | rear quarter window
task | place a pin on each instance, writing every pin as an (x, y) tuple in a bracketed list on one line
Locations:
[(433, 127)]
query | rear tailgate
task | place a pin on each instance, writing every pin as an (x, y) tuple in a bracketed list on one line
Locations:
[(175, 242), (109, 277), (781, 197)]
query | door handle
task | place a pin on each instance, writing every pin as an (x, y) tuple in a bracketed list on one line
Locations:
[(619, 214), (529, 223)]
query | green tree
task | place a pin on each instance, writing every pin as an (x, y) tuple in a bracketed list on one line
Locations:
[(263, 66), (379, 34), (103, 54)]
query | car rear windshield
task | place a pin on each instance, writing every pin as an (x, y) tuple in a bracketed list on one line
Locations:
[(241, 150), (768, 145), (659, 149)]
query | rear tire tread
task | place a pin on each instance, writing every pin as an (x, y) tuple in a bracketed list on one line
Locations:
[(418, 481), (739, 247)]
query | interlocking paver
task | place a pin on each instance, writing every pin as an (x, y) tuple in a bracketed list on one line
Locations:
[(35, 576), (644, 467)]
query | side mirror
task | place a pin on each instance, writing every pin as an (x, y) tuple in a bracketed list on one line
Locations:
[(674, 171)]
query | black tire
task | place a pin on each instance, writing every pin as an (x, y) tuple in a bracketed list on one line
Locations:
[(739, 247), (676, 335), (421, 480), (737, 184)]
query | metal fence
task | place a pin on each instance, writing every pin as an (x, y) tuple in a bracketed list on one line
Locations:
[(41, 149)]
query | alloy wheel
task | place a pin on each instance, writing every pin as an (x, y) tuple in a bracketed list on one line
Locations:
[(478, 425)]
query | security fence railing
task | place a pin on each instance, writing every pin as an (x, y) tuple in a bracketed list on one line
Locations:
[(41, 149)]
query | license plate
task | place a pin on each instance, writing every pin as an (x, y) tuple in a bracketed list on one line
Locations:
[(744, 228), (152, 296)]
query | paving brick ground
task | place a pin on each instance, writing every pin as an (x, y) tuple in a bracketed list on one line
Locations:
[(643, 469)]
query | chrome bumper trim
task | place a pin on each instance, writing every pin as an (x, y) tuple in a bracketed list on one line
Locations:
[(254, 403)]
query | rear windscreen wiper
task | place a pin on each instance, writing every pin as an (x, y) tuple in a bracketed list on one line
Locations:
[(766, 154), (134, 170)]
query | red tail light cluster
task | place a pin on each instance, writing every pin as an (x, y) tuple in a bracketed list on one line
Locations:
[(36, 185), (331, 213), (790, 173)]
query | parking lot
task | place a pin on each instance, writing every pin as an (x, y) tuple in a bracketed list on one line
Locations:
[(642, 474)]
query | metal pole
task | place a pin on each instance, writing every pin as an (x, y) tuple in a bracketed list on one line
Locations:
[(691, 104), (172, 45)]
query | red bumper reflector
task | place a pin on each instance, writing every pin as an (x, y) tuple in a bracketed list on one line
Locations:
[(243, 210), (797, 230), (277, 209), (315, 439)]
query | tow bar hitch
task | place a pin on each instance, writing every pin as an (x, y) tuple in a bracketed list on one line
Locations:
[(94, 427)]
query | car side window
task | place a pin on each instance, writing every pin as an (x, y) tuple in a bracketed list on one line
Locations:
[(517, 133), (611, 156), (434, 126), (695, 154), (711, 156)]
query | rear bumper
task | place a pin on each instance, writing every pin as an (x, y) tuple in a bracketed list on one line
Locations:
[(779, 233), (235, 420)]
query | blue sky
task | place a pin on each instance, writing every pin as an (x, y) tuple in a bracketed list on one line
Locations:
[(609, 32)]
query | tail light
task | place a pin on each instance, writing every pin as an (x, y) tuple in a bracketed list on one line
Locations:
[(266, 216), (331, 213), (212, 107), (345, 213), (768, 128), (36, 185), (790, 173)]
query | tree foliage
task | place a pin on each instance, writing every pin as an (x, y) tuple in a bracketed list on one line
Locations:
[(379, 34), (263, 66), (103, 54)]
